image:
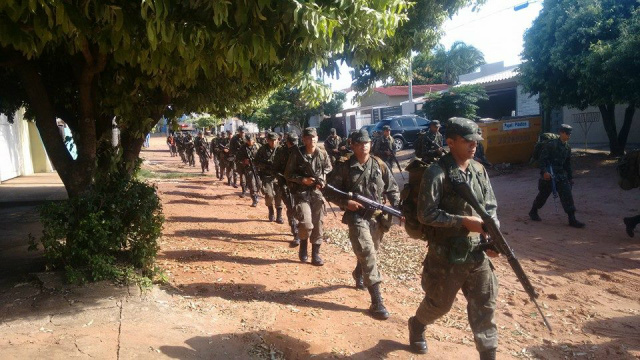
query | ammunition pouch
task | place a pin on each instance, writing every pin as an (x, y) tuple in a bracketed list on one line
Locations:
[(459, 249)]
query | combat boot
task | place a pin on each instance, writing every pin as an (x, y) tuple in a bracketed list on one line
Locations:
[(573, 222), (488, 354), (417, 342), (357, 276), (302, 251), (279, 219), (316, 260), (377, 309), (255, 200), (270, 213), (295, 242), (533, 214), (244, 192), (629, 226)]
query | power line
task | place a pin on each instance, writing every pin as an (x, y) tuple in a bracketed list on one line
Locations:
[(515, 8)]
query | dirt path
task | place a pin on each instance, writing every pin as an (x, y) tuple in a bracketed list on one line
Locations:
[(225, 261)]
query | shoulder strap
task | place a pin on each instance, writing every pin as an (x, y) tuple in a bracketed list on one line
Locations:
[(380, 162)]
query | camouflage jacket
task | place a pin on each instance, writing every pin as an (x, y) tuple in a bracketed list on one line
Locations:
[(441, 210), (244, 153), (377, 184), (383, 145), (265, 158), (331, 144), (296, 169), (558, 155), (235, 144)]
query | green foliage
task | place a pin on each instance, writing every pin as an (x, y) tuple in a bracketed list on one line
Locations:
[(460, 101), (206, 122), (334, 106), (446, 66), (584, 52), (110, 232), (324, 128)]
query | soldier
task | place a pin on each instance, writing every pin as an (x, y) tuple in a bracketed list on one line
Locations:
[(332, 144), (368, 176), (345, 144), (383, 147), (306, 174), (265, 159), (189, 149), (236, 142), (180, 147), (228, 160), (556, 158), (201, 147), (246, 156), (215, 154), (171, 143), (280, 164), (262, 139), (428, 147), (454, 230)]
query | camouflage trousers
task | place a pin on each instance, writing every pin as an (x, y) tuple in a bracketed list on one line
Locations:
[(291, 216), (365, 236), (545, 188), (216, 162), (309, 212), (230, 168), (247, 180), (272, 192), (442, 280), (240, 170)]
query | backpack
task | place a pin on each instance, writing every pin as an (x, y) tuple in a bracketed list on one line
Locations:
[(543, 139), (409, 199), (628, 170)]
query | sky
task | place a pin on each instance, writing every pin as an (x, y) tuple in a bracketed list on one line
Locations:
[(495, 29)]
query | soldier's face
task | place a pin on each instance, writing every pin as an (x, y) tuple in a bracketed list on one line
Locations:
[(387, 132), (433, 128), (462, 148), (272, 143), (310, 141), (564, 137), (361, 149)]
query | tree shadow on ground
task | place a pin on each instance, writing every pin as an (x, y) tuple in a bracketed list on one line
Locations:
[(201, 255), (258, 292), (193, 219), (196, 195), (192, 187), (227, 236), (623, 333), (266, 345), (188, 202)]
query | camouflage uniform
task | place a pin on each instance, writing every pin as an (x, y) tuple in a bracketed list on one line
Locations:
[(244, 154), (309, 200), (556, 155), (331, 145), (189, 149), (215, 155), (281, 158), (265, 164), (180, 147), (236, 142), (384, 149), (428, 146), (227, 160), (201, 146)]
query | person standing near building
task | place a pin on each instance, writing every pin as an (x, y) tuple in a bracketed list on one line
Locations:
[(332, 144), (370, 177), (454, 260), (306, 174), (555, 167), (383, 147)]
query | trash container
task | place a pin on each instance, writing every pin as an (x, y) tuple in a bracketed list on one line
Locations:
[(511, 140)]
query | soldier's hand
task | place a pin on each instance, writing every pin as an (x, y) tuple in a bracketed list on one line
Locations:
[(546, 176), (354, 205), (473, 224), (226, 150), (307, 181)]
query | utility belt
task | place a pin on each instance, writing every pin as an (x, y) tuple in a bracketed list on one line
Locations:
[(460, 249)]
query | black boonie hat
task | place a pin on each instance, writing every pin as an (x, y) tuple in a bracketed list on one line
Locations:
[(360, 136), (310, 131), (465, 128), (566, 128), (386, 127)]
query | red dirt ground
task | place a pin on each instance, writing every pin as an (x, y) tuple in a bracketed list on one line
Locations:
[(225, 260)]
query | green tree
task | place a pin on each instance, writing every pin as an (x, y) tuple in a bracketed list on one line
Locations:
[(583, 53), (334, 106), (206, 122), (446, 66), (460, 101)]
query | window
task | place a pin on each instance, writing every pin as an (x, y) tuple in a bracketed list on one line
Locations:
[(422, 122), (407, 122)]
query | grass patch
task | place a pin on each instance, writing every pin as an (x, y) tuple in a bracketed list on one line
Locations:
[(145, 174)]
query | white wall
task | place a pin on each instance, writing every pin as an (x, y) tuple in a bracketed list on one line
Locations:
[(15, 149), (597, 135), (525, 104)]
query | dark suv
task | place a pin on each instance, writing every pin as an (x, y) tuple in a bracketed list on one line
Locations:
[(404, 128)]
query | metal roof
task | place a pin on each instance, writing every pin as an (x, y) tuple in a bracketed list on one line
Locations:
[(501, 76)]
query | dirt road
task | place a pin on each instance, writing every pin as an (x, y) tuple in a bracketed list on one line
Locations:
[(225, 261)]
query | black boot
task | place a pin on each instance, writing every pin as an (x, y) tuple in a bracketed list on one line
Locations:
[(270, 213), (302, 252), (573, 222), (255, 200), (377, 309), (417, 341), (629, 226), (357, 276), (295, 242), (488, 354), (244, 192), (279, 219), (533, 214), (316, 260)]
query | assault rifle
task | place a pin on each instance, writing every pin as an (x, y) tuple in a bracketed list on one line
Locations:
[(288, 196), (254, 171), (366, 202), (554, 189), (397, 163), (308, 168), (498, 242)]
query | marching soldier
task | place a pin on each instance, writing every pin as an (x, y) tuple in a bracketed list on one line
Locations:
[(283, 153), (201, 146), (189, 149), (428, 147), (555, 159), (180, 147), (228, 160), (332, 144), (236, 142), (306, 173), (265, 159), (215, 154), (454, 261), (171, 143), (246, 156), (368, 176), (345, 144), (383, 147)]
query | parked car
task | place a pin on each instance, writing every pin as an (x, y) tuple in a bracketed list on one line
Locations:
[(404, 129), (369, 128)]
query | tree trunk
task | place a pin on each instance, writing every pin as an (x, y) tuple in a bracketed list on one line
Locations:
[(626, 126), (609, 122)]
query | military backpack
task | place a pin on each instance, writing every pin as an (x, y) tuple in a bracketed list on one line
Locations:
[(628, 170), (543, 139)]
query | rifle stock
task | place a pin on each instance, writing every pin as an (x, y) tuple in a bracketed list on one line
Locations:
[(366, 202), (498, 241)]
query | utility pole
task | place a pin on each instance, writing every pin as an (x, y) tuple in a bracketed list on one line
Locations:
[(410, 79)]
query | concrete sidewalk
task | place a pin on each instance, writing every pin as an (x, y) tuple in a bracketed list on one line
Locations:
[(31, 190)]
